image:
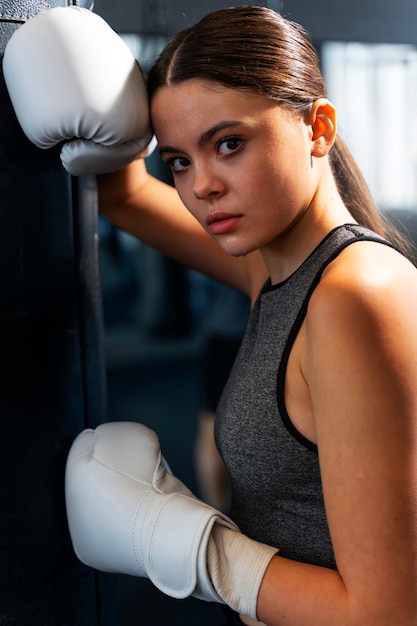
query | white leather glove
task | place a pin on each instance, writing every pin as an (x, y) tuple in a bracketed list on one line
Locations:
[(72, 79), (128, 515)]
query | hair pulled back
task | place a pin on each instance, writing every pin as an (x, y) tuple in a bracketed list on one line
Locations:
[(254, 48)]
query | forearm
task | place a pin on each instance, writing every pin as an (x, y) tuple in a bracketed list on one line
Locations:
[(295, 594), (145, 207), (153, 212)]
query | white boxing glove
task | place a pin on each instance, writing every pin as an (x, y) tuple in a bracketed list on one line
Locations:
[(127, 514), (72, 79)]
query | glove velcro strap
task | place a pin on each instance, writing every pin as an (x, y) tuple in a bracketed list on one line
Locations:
[(174, 542)]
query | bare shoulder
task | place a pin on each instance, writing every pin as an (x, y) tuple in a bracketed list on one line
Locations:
[(361, 324), (367, 278)]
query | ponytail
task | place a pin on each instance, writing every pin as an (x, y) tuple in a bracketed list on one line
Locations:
[(358, 199)]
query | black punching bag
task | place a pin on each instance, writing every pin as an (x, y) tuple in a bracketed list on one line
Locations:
[(52, 381)]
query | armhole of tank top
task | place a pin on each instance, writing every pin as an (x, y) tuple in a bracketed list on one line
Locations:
[(286, 420), (294, 332)]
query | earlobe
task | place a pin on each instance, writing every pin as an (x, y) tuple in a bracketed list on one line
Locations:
[(322, 120)]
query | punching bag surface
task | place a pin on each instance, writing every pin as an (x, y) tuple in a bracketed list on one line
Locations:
[(51, 368)]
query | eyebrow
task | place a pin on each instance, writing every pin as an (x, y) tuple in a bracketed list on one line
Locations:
[(204, 137)]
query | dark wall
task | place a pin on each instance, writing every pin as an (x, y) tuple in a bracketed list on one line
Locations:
[(52, 378), (356, 20), (360, 20), (160, 16)]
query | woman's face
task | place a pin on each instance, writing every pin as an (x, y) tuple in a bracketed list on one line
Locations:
[(242, 164)]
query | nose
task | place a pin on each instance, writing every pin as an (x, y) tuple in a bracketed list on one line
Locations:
[(207, 183)]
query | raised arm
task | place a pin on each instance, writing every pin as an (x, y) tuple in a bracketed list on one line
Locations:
[(152, 211), (103, 134)]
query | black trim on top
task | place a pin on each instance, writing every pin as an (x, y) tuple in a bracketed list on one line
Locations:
[(359, 236)]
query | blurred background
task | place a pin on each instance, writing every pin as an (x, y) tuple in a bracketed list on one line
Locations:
[(165, 326)]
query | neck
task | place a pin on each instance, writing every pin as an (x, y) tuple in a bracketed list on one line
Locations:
[(284, 255)]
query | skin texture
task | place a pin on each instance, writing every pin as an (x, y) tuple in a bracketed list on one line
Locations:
[(260, 195)]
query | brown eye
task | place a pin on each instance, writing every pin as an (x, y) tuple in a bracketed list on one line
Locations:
[(178, 164), (229, 145)]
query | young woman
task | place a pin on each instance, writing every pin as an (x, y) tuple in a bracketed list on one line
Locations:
[(318, 423)]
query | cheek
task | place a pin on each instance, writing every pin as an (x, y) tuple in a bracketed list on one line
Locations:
[(249, 179), (262, 182)]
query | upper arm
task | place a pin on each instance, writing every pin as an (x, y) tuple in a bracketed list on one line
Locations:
[(361, 368), (153, 212)]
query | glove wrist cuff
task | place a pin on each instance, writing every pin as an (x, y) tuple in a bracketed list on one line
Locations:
[(237, 566)]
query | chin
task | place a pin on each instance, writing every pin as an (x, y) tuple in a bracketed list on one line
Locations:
[(236, 248), (238, 254), (235, 251)]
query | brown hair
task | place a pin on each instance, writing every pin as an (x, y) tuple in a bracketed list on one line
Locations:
[(255, 48)]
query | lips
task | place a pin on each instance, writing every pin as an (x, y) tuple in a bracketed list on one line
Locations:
[(222, 223)]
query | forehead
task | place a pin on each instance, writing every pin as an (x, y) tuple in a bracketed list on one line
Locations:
[(195, 105)]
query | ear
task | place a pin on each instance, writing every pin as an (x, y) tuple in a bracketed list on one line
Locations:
[(322, 119)]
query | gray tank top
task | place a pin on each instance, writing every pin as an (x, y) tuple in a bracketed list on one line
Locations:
[(277, 494)]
